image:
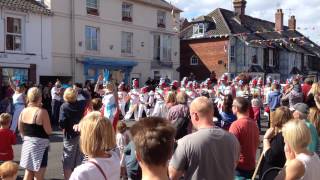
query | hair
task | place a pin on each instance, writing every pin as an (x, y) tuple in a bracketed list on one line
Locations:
[(96, 104), (281, 116), (110, 86), (227, 104), (70, 95), (308, 81), (34, 94), (171, 98), (5, 119), (121, 127), (203, 106), (8, 169), (96, 134), (242, 104), (315, 89), (296, 134), (275, 87), (182, 98), (314, 118), (153, 138), (255, 95)]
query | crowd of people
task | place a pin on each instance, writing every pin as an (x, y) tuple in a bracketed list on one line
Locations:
[(181, 130)]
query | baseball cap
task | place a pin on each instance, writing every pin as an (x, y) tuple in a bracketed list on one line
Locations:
[(301, 107)]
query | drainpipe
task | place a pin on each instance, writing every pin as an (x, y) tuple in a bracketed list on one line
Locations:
[(73, 58)]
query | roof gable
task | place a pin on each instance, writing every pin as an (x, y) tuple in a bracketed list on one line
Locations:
[(25, 6)]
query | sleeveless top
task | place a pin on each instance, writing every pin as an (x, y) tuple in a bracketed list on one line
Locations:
[(34, 130), (18, 99), (311, 165)]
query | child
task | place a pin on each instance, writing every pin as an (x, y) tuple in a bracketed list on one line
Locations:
[(122, 140), (8, 138), (9, 170), (256, 106)]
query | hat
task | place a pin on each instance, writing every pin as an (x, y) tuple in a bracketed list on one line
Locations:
[(301, 107)]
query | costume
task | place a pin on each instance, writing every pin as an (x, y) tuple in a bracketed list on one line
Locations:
[(18, 104), (122, 98), (159, 108), (144, 97), (134, 101)]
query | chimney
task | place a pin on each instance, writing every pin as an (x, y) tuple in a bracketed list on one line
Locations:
[(239, 8), (292, 23), (279, 20)]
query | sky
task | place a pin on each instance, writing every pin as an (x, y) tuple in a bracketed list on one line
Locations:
[(307, 12)]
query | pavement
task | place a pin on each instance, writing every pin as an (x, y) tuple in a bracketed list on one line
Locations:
[(54, 169)]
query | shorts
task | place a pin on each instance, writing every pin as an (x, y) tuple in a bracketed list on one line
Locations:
[(72, 157), (44, 161)]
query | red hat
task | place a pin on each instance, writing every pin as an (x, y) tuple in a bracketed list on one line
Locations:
[(175, 83), (254, 81), (144, 89), (162, 84)]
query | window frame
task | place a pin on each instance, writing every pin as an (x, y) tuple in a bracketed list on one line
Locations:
[(126, 43), (161, 19), (196, 29), (271, 58), (95, 8), (14, 34), (192, 60), (232, 54), (91, 39), (165, 47), (127, 8)]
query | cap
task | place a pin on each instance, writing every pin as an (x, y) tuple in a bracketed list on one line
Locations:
[(301, 107)]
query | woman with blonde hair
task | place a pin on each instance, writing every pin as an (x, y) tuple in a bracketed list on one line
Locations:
[(71, 112), (35, 128), (314, 118), (97, 140), (273, 142), (301, 163), (170, 99), (313, 95)]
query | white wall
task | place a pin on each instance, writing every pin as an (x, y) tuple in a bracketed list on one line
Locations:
[(36, 40)]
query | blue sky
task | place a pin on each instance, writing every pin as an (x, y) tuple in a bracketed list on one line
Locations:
[(307, 12)]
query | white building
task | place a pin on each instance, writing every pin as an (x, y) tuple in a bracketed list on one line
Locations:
[(123, 38), (25, 41)]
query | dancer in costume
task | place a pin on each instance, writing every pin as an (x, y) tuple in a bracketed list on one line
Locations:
[(159, 108), (134, 101)]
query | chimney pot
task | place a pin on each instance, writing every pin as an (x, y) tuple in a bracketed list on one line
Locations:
[(279, 20), (239, 8), (292, 23)]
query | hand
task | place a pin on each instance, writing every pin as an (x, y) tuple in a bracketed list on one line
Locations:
[(269, 133), (76, 128)]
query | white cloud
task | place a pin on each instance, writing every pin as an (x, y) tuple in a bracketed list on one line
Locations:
[(306, 12)]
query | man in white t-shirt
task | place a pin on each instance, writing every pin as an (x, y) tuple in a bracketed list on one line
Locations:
[(56, 95)]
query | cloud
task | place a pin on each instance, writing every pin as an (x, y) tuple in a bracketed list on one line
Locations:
[(306, 12)]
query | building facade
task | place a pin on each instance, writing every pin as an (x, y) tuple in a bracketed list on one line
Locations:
[(25, 41), (122, 39), (232, 42)]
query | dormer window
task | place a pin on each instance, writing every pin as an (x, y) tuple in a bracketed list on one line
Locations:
[(198, 29)]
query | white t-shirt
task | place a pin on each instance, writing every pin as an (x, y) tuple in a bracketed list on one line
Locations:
[(88, 171), (54, 96)]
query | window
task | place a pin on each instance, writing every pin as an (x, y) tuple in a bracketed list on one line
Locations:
[(232, 54), (126, 43), (161, 19), (13, 34), (92, 35), (127, 12), (162, 47), (271, 61), (198, 29), (92, 7), (194, 60)]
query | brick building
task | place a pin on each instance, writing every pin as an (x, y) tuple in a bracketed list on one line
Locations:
[(232, 42)]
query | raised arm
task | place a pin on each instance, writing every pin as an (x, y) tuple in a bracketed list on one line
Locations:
[(12, 85)]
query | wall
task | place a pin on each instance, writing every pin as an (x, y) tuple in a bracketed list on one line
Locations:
[(210, 51)]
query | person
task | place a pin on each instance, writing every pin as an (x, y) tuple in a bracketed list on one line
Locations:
[(159, 108), (301, 111), (274, 99), (256, 106), (170, 100), (208, 153), (8, 138), (314, 118), (71, 112), (56, 95), (134, 101), (153, 138), (301, 163), (122, 98), (9, 170), (19, 103), (110, 104), (294, 94), (306, 88), (132, 165), (97, 138), (312, 94), (144, 99), (273, 143), (247, 133), (122, 140), (178, 115), (94, 105), (35, 128), (227, 116)]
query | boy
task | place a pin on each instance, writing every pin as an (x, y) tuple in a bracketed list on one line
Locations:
[(8, 138)]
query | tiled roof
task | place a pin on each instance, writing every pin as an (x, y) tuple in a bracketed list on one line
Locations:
[(257, 32), (160, 3), (25, 6)]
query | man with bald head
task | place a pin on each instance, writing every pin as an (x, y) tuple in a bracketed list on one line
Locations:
[(209, 153)]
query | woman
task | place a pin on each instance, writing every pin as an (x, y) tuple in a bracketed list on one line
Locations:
[(18, 103), (35, 128), (314, 92), (227, 116), (314, 118), (273, 143), (71, 112), (301, 163), (170, 100), (96, 140), (294, 95)]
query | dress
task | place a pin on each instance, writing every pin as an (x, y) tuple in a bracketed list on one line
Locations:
[(110, 107), (19, 104)]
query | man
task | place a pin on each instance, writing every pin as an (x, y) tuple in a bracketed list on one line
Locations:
[(274, 99), (56, 95), (210, 153), (306, 87), (247, 132), (301, 112), (154, 140)]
